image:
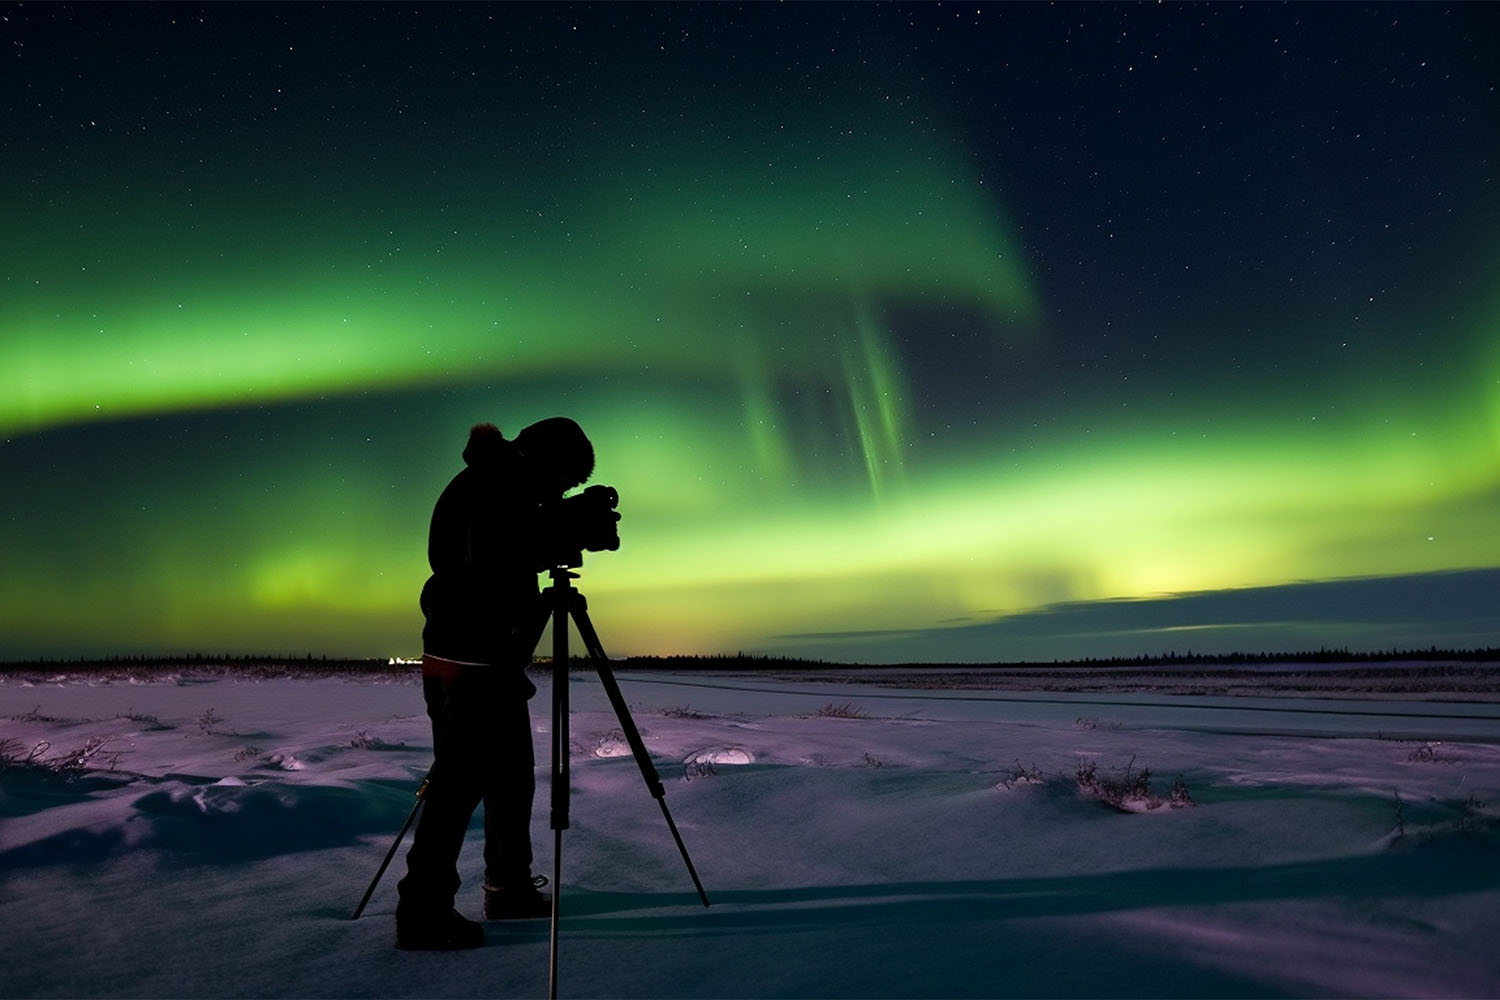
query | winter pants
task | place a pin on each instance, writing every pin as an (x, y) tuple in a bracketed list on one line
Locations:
[(482, 751)]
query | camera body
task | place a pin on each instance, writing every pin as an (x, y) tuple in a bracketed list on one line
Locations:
[(585, 521)]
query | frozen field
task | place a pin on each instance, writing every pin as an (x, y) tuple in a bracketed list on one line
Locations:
[(210, 837)]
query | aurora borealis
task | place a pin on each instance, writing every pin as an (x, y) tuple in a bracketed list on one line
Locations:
[(981, 332)]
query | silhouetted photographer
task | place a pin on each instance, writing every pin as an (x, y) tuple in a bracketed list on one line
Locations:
[(498, 523)]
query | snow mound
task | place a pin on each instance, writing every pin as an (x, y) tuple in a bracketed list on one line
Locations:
[(720, 755), (611, 745)]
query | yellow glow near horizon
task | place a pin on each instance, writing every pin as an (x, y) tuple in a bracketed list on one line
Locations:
[(1102, 525)]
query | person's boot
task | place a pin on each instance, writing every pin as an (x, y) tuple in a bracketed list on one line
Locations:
[(518, 900), (441, 932)]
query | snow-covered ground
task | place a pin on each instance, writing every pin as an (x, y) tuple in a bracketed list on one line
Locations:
[(855, 841)]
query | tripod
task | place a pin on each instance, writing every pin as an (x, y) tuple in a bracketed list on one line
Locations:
[(558, 602)]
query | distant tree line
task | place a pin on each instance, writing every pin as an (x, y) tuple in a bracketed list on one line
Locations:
[(204, 663), (281, 665), (744, 661)]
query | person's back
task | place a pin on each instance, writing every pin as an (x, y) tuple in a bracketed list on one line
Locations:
[(481, 551)]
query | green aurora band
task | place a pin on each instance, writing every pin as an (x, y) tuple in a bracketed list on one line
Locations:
[(273, 371)]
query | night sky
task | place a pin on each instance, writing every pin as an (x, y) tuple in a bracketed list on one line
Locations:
[(937, 332)]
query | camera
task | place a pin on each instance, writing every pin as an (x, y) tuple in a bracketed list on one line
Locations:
[(588, 521)]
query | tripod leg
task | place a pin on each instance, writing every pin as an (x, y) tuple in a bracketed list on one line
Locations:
[(560, 709), (421, 797), (561, 789), (632, 735)]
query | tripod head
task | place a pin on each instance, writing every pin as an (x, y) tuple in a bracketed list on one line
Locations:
[(564, 561), (562, 574)]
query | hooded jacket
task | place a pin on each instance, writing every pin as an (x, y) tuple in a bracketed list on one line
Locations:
[(482, 547)]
